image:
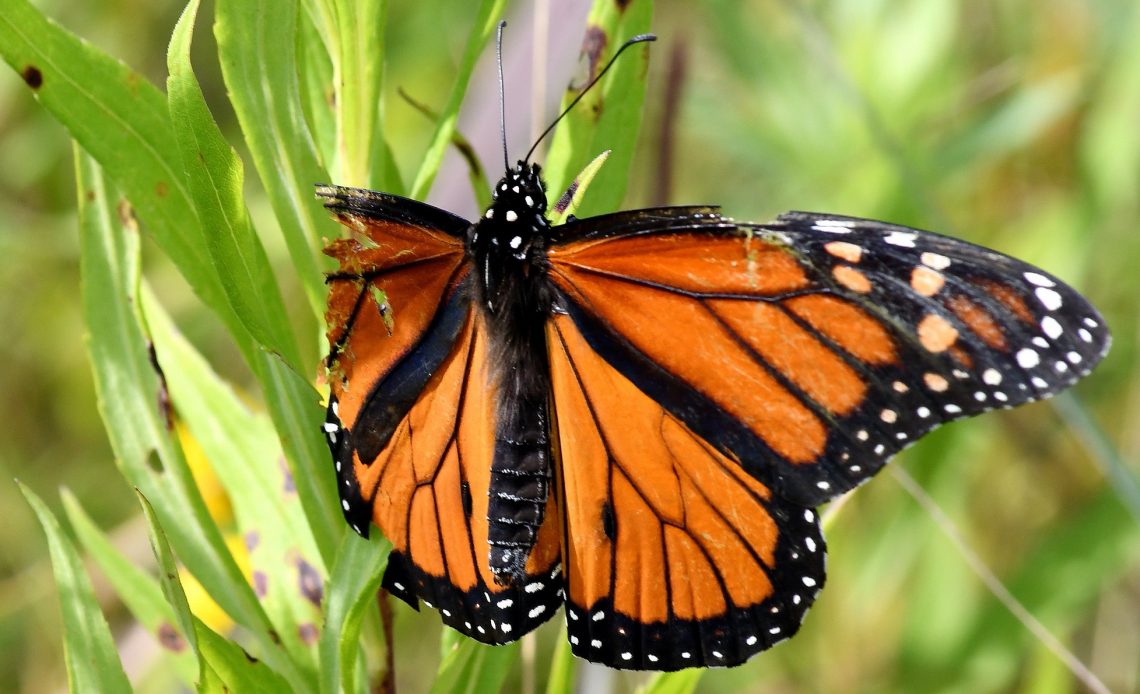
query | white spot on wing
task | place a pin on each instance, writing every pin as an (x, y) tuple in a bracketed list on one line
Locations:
[(901, 238), (1048, 298), (1051, 327), (935, 260), (1039, 279), (1028, 358)]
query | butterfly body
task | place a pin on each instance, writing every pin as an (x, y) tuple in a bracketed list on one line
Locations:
[(635, 415), (507, 248)]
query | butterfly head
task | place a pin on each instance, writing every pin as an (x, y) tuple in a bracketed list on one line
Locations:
[(520, 191), (510, 236)]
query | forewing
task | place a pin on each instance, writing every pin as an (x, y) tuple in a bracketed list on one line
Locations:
[(815, 347), (673, 556)]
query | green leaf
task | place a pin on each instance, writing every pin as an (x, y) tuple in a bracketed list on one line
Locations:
[(257, 48), (294, 405), (214, 178), (122, 120), (244, 453), (168, 574), (363, 157), (609, 116), (134, 404), (224, 666), (355, 578), (576, 191), (89, 649), (473, 667), (485, 22), (562, 670), (683, 682), (139, 591)]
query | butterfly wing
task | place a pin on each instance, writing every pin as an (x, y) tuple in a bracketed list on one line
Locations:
[(813, 348), (673, 556), (410, 419)]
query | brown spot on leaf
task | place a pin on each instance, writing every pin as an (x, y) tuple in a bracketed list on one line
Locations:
[(165, 408), (154, 462), (161, 189), (127, 215), (567, 198), (308, 633), (260, 583), (622, 4), (170, 639), (312, 589), (593, 45), (32, 76)]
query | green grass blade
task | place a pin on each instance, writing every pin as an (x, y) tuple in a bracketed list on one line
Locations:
[(358, 30), (122, 120), (244, 453), (472, 667), (683, 682), (355, 578), (314, 61), (562, 668), (169, 582), (139, 591), (257, 46), (214, 178), (134, 403), (89, 649), (485, 22), (609, 117)]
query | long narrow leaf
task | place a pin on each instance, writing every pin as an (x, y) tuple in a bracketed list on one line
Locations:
[(214, 177), (135, 407), (485, 21), (258, 50), (139, 591), (245, 455), (358, 72), (473, 667), (89, 649), (121, 119), (224, 666), (609, 117), (352, 592)]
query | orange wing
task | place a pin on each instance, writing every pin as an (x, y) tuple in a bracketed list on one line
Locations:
[(814, 348), (410, 421), (673, 555)]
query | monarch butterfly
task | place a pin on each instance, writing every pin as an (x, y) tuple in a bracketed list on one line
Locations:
[(636, 414)]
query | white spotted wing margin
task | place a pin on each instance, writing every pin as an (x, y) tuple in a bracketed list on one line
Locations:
[(974, 330)]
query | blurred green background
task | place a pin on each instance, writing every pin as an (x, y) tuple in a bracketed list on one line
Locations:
[(1011, 123)]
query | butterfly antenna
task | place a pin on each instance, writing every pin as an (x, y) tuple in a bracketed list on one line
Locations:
[(502, 97), (640, 38)]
